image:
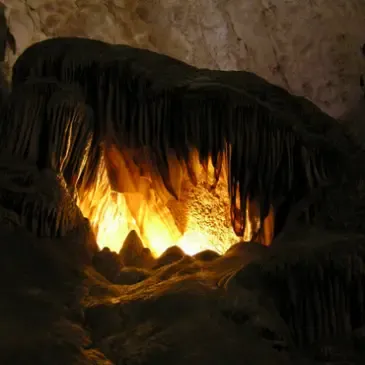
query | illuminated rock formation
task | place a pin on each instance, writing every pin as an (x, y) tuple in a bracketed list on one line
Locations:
[(66, 301)]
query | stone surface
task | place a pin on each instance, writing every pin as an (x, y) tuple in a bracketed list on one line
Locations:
[(235, 307), (299, 301), (311, 47)]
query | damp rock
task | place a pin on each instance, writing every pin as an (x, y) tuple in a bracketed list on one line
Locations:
[(239, 255), (105, 318), (311, 276), (185, 266), (107, 263), (249, 251), (131, 275), (80, 244), (194, 268), (206, 255), (171, 255), (358, 338), (39, 199), (134, 254)]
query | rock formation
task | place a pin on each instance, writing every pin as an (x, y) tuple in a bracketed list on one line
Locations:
[(63, 301), (296, 44)]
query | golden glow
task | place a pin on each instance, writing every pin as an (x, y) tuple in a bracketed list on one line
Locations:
[(112, 221), (193, 242), (107, 213), (198, 221), (113, 226)]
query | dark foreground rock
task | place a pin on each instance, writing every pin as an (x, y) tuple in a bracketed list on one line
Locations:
[(300, 301), (232, 310)]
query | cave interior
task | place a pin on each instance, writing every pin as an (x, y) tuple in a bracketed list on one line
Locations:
[(153, 212)]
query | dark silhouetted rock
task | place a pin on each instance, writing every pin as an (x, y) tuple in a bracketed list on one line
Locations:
[(39, 201), (134, 254), (249, 247), (131, 275), (183, 266), (105, 317), (206, 255), (107, 263), (172, 254), (313, 275)]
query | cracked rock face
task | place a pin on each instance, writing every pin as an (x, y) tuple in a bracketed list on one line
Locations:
[(296, 44)]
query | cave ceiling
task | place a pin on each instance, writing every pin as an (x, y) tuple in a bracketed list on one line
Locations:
[(296, 44)]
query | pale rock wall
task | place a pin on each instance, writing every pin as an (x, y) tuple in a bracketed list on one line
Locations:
[(310, 47)]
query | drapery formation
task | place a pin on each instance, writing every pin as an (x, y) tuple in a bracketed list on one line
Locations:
[(277, 146), (47, 124), (45, 134)]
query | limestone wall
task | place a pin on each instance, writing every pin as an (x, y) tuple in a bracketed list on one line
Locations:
[(311, 47)]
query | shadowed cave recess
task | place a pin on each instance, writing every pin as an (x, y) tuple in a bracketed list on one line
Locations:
[(153, 212)]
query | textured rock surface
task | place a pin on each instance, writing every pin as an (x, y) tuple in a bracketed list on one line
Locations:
[(262, 304), (310, 47)]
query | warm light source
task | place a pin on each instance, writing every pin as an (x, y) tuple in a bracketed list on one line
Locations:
[(113, 225), (112, 222), (193, 242), (198, 221)]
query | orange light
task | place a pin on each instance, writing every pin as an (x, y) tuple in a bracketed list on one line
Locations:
[(206, 224)]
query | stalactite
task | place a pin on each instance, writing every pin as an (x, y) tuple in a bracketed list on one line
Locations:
[(45, 133), (308, 285), (47, 124), (39, 199), (276, 144)]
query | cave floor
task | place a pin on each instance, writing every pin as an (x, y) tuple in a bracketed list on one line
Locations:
[(254, 305)]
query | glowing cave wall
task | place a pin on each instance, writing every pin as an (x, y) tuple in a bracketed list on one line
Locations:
[(310, 47)]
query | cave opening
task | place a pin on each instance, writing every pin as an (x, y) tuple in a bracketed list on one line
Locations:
[(199, 167), (128, 195), (163, 133)]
